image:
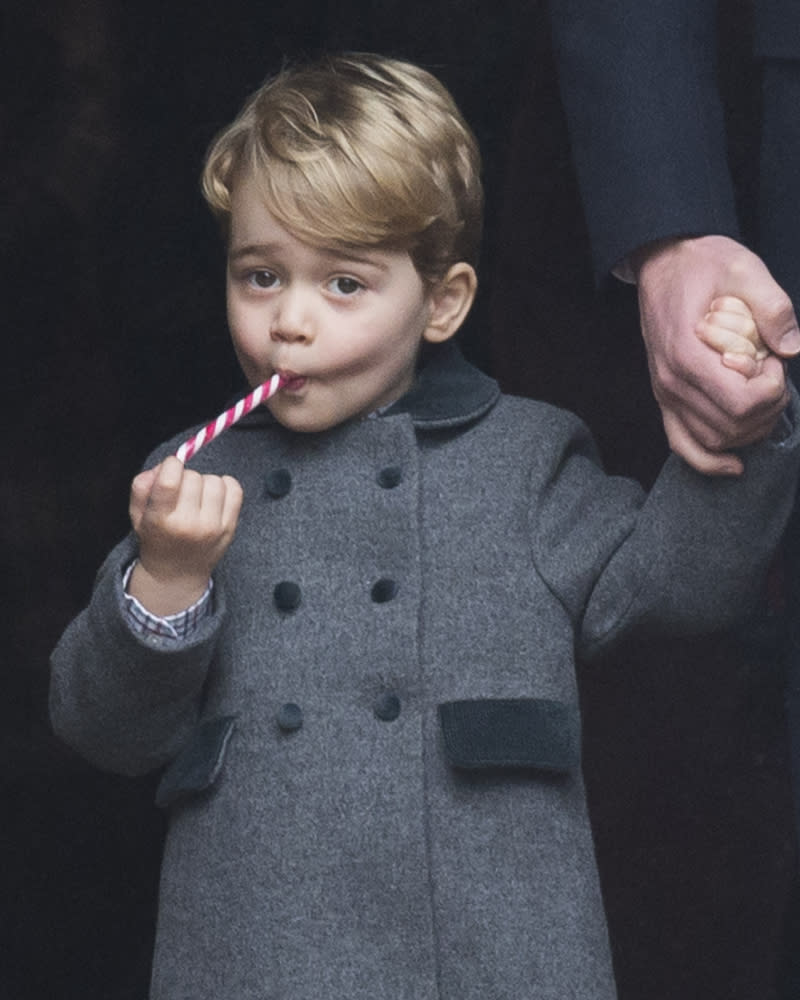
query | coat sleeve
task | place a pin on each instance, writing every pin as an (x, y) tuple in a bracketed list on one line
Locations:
[(125, 702), (776, 29), (689, 556), (645, 118)]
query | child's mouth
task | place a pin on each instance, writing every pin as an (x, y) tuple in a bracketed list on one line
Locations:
[(292, 382)]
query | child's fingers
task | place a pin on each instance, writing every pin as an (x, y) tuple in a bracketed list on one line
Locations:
[(221, 503), (167, 489), (745, 327), (203, 506), (742, 363), (736, 322), (724, 339), (731, 304), (234, 495), (175, 506), (172, 484), (730, 313), (141, 488)]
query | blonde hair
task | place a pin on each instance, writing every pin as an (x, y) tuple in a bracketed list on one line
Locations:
[(358, 150)]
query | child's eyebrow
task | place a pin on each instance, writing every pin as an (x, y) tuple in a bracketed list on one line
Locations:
[(252, 250), (337, 255), (370, 259)]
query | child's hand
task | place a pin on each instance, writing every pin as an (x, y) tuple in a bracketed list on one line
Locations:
[(729, 328), (185, 522)]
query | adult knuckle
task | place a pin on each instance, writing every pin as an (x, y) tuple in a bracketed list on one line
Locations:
[(713, 438), (739, 265), (772, 397), (667, 384), (740, 409)]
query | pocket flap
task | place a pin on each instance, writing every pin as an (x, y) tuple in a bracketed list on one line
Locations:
[(198, 765), (511, 732)]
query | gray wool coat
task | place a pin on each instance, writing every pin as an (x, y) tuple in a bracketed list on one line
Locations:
[(371, 746)]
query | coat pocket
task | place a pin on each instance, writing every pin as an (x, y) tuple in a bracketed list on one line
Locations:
[(199, 764), (511, 733)]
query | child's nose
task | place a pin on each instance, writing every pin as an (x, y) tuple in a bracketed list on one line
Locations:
[(292, 319)]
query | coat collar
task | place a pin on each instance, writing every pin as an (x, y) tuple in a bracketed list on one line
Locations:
[(448, 392)]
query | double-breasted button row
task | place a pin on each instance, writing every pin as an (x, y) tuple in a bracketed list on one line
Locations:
[(278, 482), (386, 708), (288, 596)]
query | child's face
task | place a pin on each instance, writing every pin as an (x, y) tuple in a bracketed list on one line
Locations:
[(345, 329)]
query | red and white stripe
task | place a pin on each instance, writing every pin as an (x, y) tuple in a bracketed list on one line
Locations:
[(260, 394)]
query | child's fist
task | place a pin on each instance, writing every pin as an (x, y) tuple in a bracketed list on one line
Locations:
[(729, 328), (185, 521)]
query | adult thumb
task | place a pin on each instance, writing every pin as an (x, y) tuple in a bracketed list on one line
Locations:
[(775, 318)]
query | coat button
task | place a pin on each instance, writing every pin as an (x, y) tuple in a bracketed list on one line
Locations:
[(387, 706), (384, 590), (390, 477), (290, 717), (277, 483), (286, 595)]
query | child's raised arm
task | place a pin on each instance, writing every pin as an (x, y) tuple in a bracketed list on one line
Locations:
[(729, 327)]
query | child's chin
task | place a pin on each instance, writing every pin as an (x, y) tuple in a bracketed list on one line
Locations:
[(303, 423)]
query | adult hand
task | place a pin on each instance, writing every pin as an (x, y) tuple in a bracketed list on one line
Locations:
[(707, 408), (185, 521)]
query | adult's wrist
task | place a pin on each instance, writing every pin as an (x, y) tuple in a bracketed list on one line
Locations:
[(652, 252)]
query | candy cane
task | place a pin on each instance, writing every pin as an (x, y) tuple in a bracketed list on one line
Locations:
[(260, 394)]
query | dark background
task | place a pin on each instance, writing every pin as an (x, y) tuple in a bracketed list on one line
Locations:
[(114, 337)]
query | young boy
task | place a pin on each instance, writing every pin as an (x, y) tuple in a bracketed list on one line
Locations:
[(359, 679)]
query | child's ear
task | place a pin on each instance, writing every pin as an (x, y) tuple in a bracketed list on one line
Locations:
[(451, 299)]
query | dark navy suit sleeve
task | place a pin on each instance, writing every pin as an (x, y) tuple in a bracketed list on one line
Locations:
[(639, 90), (776, 33), (776, 29)]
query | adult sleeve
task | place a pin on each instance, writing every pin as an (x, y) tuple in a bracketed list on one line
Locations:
[(640, 94), (776, 29)]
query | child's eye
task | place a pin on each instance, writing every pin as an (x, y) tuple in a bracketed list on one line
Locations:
[(345, 286), (262, 279)]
